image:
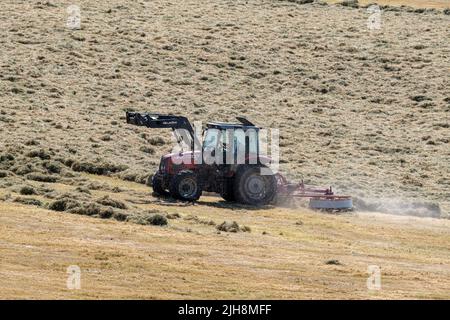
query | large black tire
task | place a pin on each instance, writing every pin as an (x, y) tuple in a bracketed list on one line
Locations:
[(228, 192), (185, 186), (156, 183), (252, 188)]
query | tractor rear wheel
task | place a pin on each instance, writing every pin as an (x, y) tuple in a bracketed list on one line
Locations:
[(156, 184), (185, 186), (253, 188)]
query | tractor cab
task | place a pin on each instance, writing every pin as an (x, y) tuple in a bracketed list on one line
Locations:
[(230, 144)]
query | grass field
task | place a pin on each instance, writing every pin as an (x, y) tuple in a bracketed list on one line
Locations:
[(364, 111), (189, 259), (438, 4)]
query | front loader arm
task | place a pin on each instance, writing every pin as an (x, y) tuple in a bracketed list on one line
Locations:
[(153, 120)]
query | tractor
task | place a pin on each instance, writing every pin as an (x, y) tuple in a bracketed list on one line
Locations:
[(228, 161)]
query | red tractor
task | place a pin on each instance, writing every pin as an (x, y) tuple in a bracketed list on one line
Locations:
[(227, 162)]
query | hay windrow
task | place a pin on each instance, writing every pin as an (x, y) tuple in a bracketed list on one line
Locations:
[(232, 227), (150, 219), (29, 201), (102, 168), (107, 201)]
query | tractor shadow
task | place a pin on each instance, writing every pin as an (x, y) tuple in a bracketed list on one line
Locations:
[(220, 204)]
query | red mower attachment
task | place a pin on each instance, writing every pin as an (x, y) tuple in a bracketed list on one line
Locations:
[(320, 198)]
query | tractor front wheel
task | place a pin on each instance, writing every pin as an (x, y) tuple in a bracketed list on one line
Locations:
[(156, 183), (185, 186), (253, 188)]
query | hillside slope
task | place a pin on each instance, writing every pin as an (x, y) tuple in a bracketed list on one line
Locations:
[(367, 112), (364, 111)]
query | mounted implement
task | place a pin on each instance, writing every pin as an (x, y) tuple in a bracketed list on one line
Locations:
[(226, 161)]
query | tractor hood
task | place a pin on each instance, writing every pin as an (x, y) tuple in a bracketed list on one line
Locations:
[(184, 157)]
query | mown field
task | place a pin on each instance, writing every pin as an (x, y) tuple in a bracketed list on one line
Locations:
[(364, 111), (438, 4), (288, 253)]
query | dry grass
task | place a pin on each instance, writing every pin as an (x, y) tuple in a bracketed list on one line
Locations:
[(360, 110), (438, 4), (363, 111), (284, 258)]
